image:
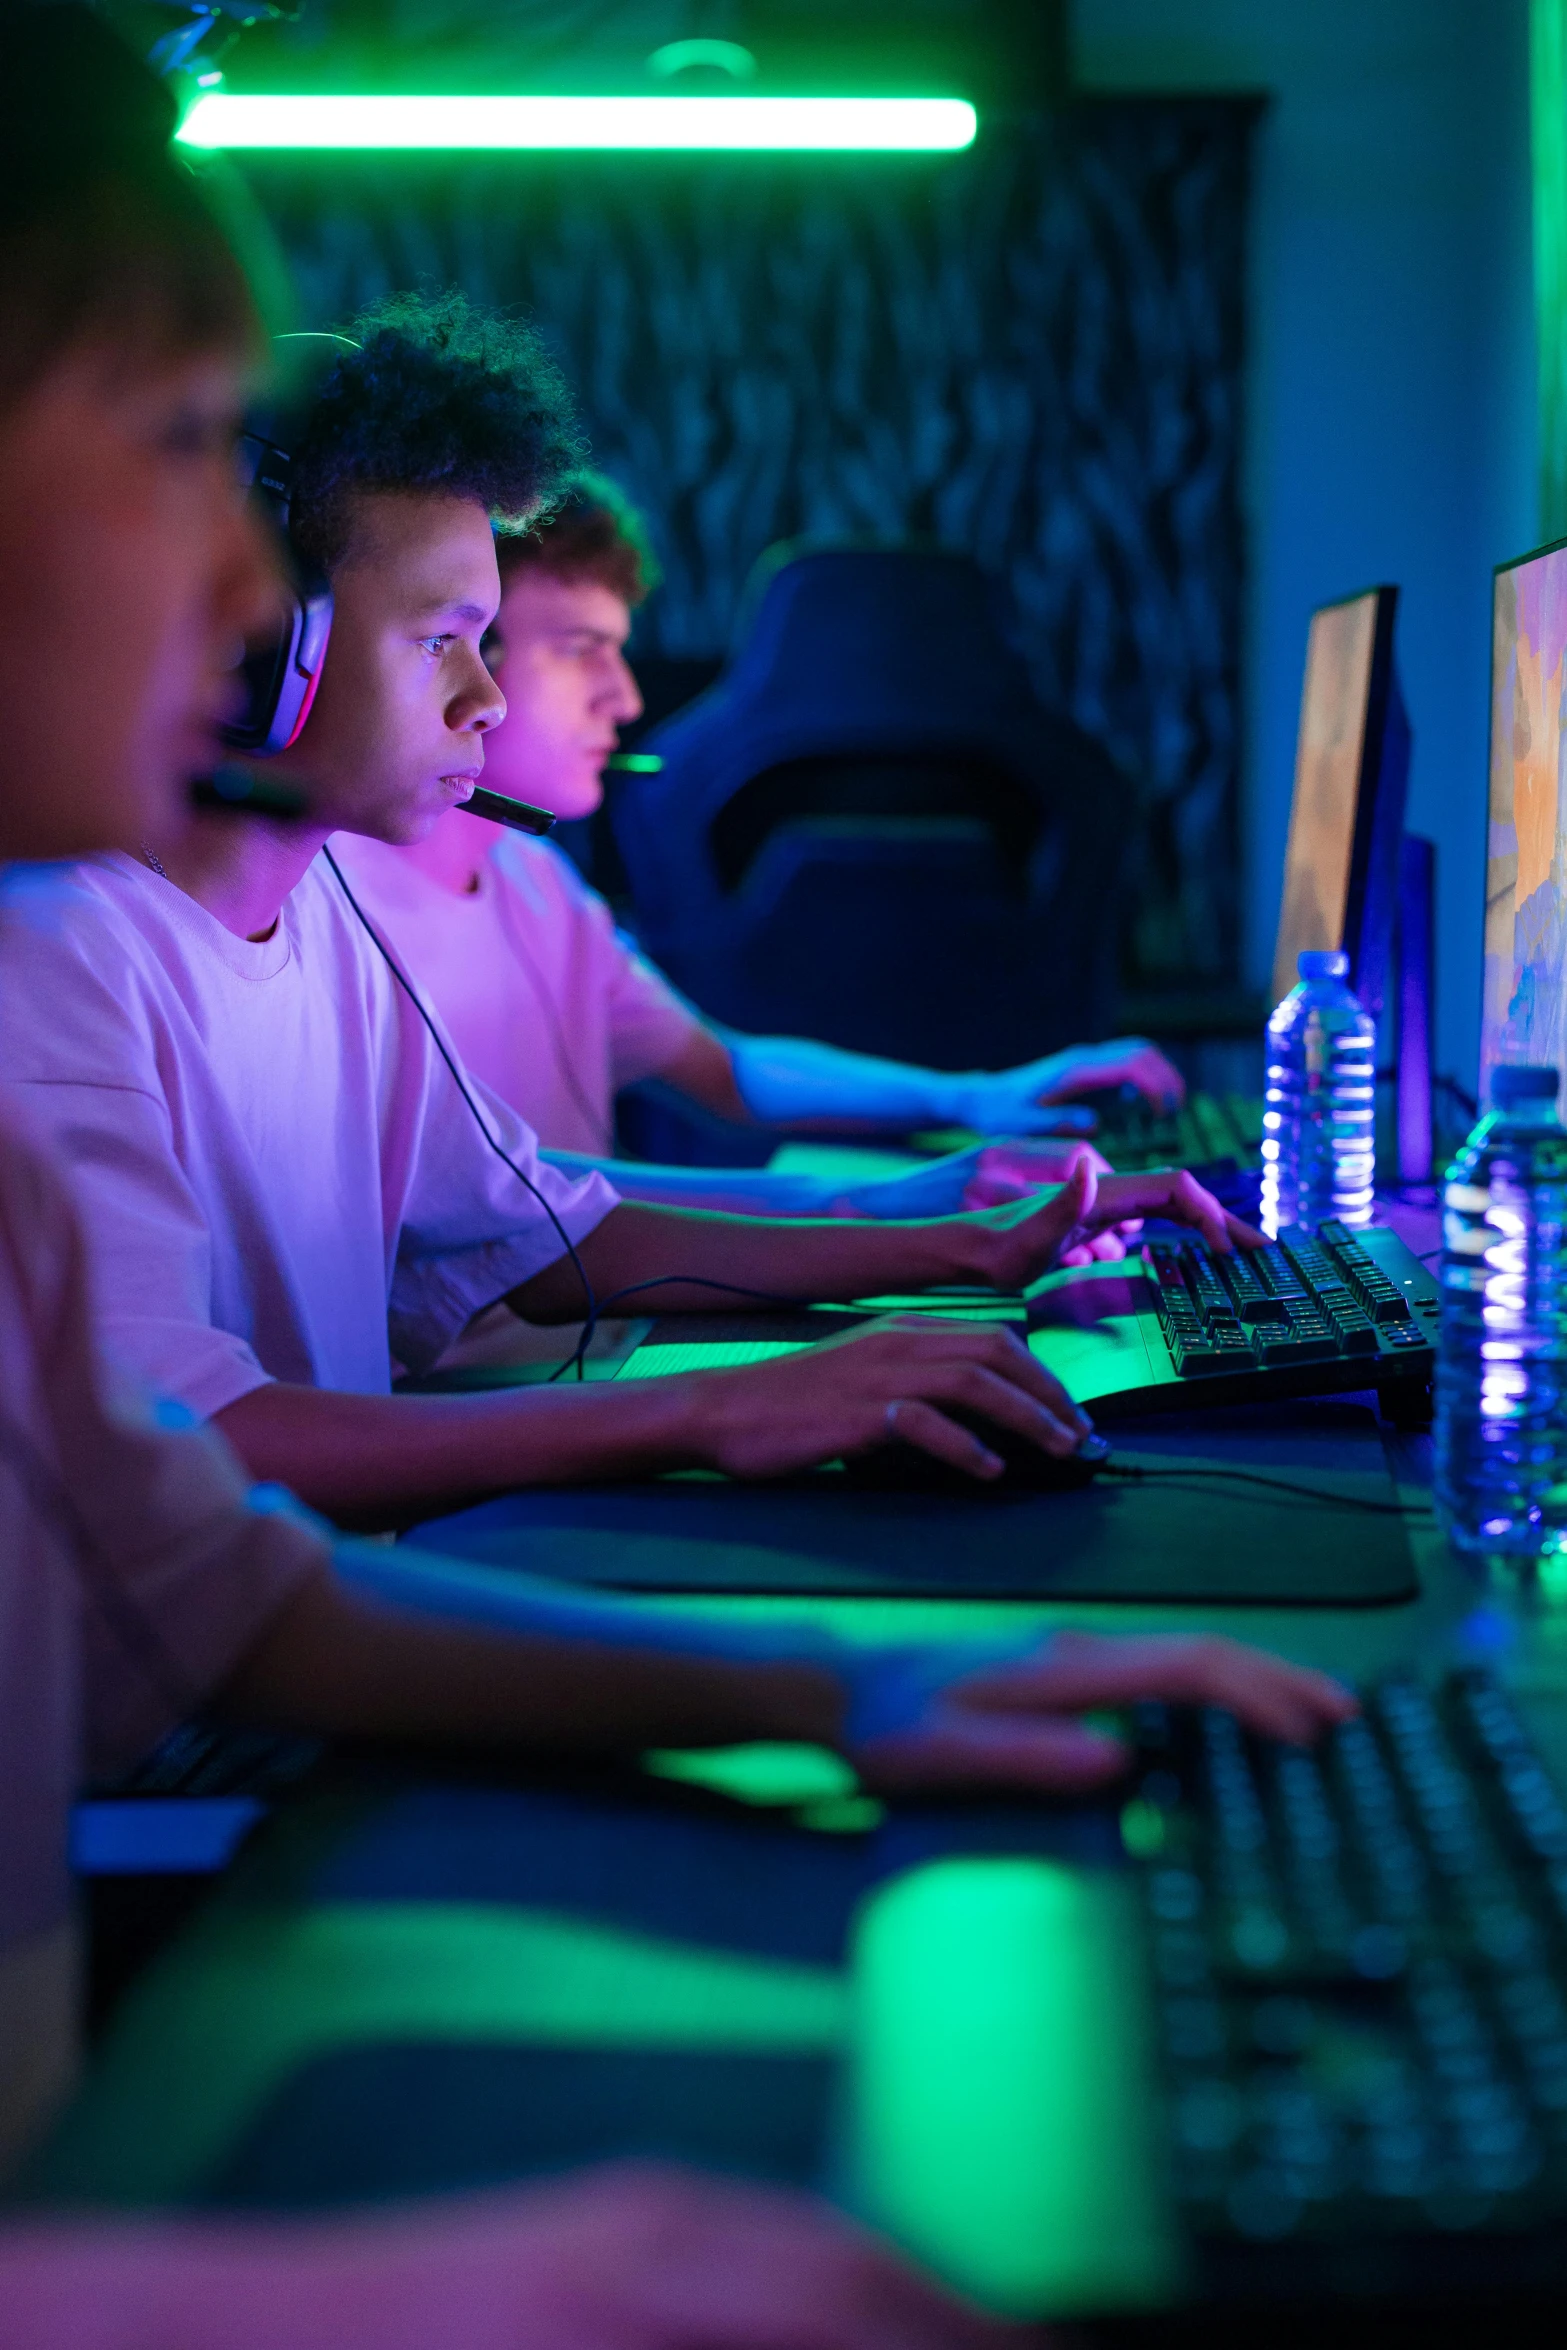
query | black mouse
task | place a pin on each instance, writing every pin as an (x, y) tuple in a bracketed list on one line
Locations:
[(904, 1468)]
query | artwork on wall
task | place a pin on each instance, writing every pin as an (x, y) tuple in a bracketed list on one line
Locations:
[(1031, 352)]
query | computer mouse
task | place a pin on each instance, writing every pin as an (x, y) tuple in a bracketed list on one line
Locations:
[(903, 1468)]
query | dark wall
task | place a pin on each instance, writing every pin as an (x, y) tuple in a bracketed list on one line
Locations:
[(1032, 352)]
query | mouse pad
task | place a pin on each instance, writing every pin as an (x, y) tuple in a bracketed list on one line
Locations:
[(1184, 1535)]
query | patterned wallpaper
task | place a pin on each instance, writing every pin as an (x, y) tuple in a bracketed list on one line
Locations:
[(1032, 352)]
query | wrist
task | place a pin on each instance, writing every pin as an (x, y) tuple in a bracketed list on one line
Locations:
[(667, 1423), (966, 1249), (957, 1097)]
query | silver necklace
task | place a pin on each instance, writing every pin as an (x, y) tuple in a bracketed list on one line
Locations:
[(149, 859)]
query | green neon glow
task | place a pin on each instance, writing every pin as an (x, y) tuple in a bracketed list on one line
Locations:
[(232, 118), (1002, 2107), (251, 1995), (768, 1775)]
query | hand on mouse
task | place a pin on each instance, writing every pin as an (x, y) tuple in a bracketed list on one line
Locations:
[(885, 1382), (1013, 1724)]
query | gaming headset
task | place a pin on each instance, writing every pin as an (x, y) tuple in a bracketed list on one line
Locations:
[(282, 671)]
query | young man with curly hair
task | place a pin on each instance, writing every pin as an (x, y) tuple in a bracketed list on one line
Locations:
[(284, 1188), (557, 1010), (137, 1576)]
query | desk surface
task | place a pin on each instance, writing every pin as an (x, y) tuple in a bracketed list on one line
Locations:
[(651, 1948)]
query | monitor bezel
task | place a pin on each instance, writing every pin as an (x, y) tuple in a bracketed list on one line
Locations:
[(1513, 563), (1366, 838)]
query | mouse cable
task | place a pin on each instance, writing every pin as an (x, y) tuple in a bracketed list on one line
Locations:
[(595, 1304), (770, 1297), (1346, 1501), (461, 1083)]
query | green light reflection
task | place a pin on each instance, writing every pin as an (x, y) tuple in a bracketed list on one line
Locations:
[(1004, 2124)]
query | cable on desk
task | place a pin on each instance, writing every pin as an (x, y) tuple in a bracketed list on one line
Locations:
[(1346, 1501), (601, 1306)]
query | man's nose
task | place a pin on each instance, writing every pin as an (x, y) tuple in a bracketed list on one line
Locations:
[(481, 704), (624, 701)]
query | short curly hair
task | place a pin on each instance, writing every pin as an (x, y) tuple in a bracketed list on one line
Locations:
[(439, 395), (594, 532)]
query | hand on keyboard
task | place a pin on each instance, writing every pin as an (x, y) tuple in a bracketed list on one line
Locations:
[(1006, 1171), (1014, 1724), (1095, 1215), (1019, 1101)]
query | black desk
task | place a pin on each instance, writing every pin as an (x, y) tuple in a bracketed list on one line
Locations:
[(657, 1965)]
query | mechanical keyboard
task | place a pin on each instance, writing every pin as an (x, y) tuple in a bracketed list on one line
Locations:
[(1173, 1327), (1308, 1315), (1210, 1129), (1358, 1958), (1304, 1300)]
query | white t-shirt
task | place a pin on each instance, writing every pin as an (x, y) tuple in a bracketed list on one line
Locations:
[(278, 1176), (93, 1496), (552, 1005)]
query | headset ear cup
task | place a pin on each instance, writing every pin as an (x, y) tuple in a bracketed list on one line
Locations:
[(306, 703), (282, 674)]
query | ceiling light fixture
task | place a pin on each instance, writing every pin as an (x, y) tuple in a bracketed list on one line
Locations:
[(233, 118)]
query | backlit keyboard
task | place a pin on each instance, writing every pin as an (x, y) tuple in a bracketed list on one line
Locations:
[(1208, 1129), (1305, 1299), (1359, 1961)]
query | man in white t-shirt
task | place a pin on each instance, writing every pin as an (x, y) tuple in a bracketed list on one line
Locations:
[(137, 1577), (557, 1009), (275, 1163)]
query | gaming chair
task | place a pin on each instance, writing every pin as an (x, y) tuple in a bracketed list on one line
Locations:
[(870, 830)]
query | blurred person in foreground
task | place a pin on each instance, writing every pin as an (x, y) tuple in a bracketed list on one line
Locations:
[(139, 1578), (556, 1009)]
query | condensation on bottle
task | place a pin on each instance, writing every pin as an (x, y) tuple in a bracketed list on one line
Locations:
[(1319, 1103), (1501, 1431)]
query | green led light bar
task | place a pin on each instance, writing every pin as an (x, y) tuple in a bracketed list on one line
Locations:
[(253, 119)]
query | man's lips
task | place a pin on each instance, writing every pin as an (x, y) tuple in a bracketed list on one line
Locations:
[(460, 782)]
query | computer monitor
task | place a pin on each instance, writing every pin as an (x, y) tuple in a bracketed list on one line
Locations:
[(1523, 1010), (1347, 814)]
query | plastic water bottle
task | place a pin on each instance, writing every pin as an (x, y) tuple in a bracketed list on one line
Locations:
[(1319, 1103), (1501, 1377)]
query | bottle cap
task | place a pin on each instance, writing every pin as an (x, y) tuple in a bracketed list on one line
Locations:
[(1323, 963), (1523, 1083)]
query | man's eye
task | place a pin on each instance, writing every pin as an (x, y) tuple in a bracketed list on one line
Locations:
[(435, 644)]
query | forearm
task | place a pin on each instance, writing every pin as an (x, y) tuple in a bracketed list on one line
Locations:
[(739, 1191), (793, 1081), (362, 1454), (343, 1661), (683, 1249)]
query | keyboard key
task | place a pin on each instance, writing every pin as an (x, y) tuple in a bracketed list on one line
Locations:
[(1361, 1970)]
